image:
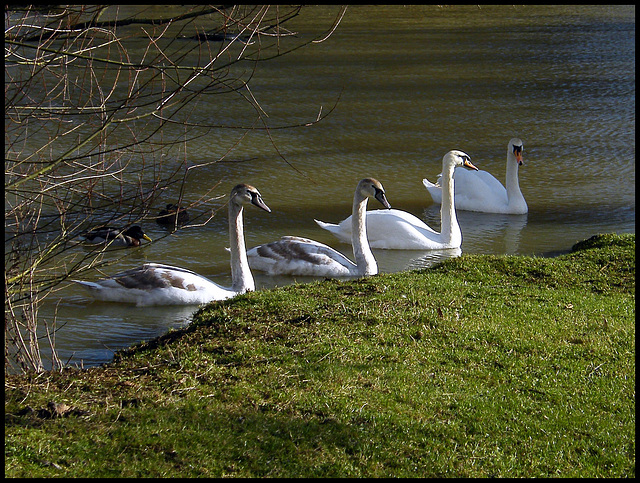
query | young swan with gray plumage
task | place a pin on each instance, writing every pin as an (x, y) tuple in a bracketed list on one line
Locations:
[(158, 284), (300, 256)]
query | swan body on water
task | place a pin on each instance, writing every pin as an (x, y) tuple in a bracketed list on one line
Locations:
[(300, 256), (397, 229), (158, 284), (481, 191)]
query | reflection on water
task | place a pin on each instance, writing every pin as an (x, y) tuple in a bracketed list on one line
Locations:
[(104, 328), (391, 260), (413, 82), (486, 232)]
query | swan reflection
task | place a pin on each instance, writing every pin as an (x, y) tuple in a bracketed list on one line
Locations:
[(487, 232)]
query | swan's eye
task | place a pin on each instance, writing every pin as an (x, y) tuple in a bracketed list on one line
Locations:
[(517, 149)]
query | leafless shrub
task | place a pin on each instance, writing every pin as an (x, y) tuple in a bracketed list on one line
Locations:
[(100, 104)]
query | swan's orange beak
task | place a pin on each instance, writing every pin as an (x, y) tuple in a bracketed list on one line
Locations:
[(519, 158), (517, 152), (469, 164)]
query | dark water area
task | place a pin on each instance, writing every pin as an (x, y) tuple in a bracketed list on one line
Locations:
[(408, 84)]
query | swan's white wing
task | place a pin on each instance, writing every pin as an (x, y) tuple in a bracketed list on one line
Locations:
[(479, 191), (434, 189), (342, 231), (299, 256), (157, 284), (480, 184), (397, 229), (393, 218), (473, 191), (379, 222), (491, 183), (392, 229)]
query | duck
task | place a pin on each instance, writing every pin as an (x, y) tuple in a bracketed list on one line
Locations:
[(481, 191), (159, 284), (131, 237), (293, 255), (172, 215), (400, 230)]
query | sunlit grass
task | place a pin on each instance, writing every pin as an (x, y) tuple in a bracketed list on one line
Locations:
[(481, 366)]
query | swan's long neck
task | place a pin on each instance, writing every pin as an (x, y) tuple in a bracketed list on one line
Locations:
[(512, 184), (449, 229), (241, 278), (365, 261)]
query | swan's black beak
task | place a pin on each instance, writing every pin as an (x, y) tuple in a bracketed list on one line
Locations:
[(382, 199), (256, 199)]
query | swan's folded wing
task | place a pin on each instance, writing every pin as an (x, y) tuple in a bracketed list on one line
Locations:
[(341, 231), (157, 284), (397, 229), (156, 276), (392, 229), (144, 278), (298, 256), (381, 220), (477, 187), (434, 189)]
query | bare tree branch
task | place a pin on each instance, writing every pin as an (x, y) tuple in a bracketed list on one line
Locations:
[(98, 98)]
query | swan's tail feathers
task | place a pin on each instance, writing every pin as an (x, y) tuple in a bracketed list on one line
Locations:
[(333, 228), (428, 184), (341, 231), (434, 189), (88, 285)]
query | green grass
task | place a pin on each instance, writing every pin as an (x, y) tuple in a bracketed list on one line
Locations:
[(482, 366)]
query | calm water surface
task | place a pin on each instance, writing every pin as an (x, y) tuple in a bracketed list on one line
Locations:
[(411, 83)]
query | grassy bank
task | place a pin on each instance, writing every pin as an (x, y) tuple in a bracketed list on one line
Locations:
[(482, 366)]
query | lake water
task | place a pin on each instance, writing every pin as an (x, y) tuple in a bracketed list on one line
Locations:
[(410, 83)]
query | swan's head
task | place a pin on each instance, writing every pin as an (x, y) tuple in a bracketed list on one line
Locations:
[(373, 188), (457, 158), (514, 148), (244, 194)]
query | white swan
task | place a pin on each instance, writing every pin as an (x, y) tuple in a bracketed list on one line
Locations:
[(300, 256), (157, 284), (396, 229), (480, 191)]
